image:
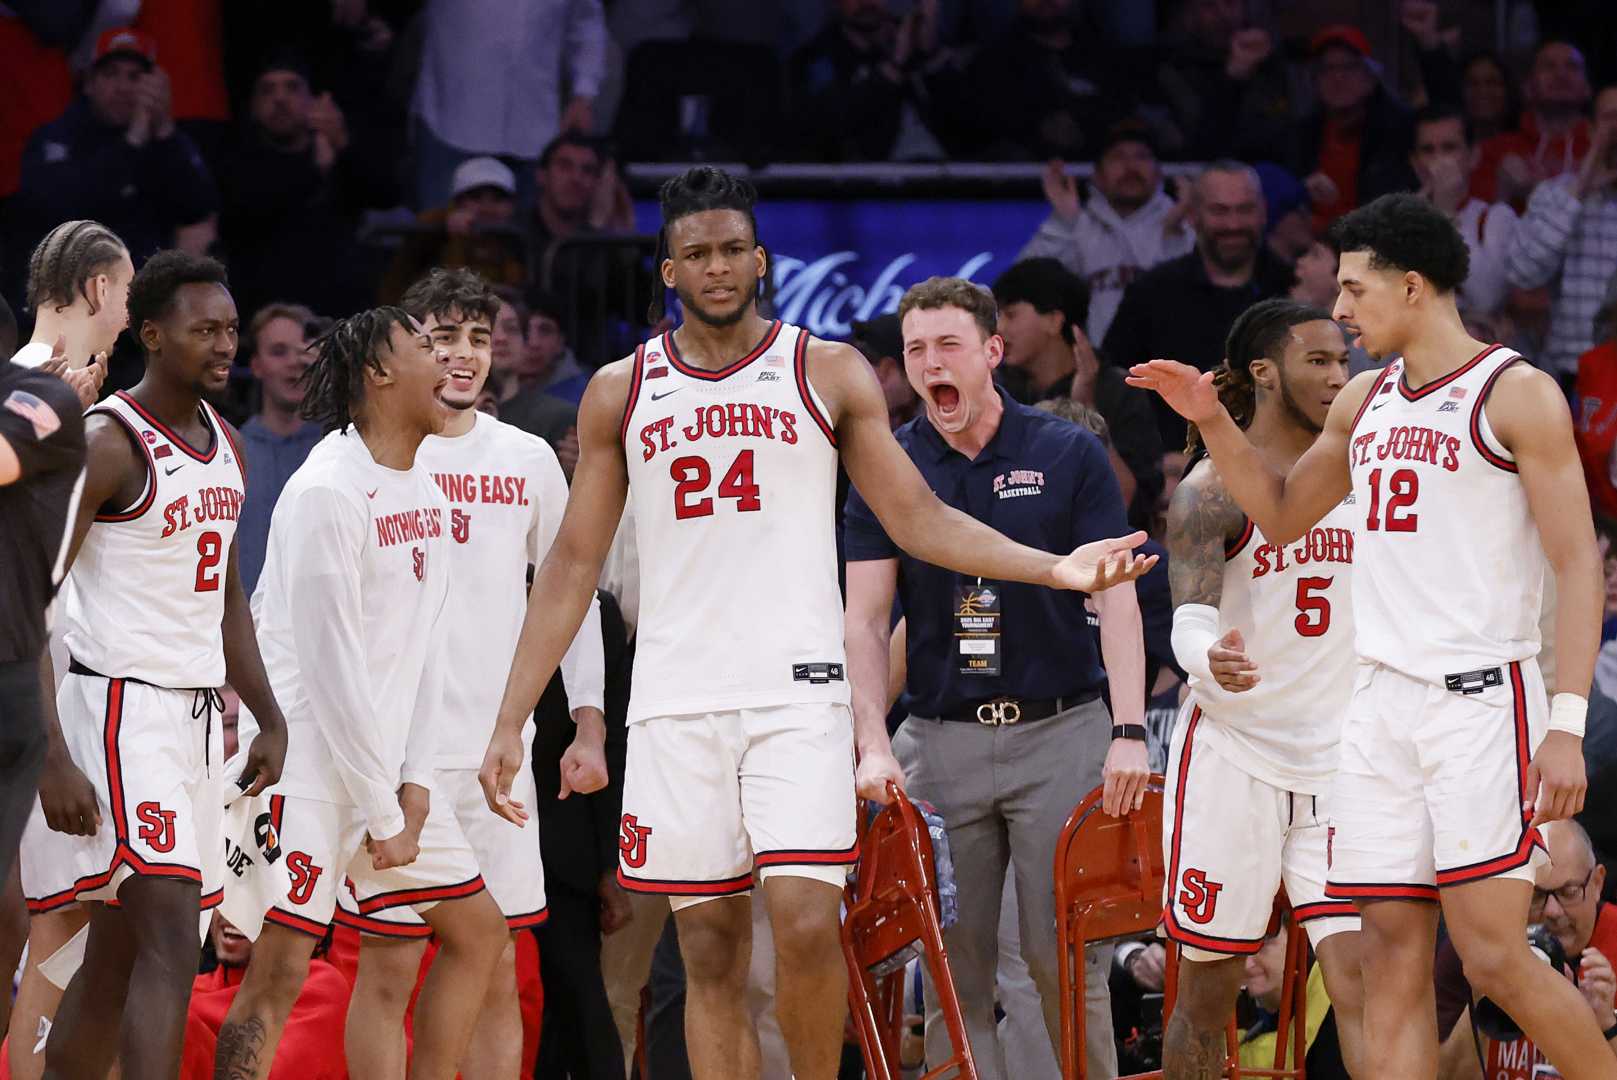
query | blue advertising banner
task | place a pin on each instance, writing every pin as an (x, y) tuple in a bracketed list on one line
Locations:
[(840, 260)]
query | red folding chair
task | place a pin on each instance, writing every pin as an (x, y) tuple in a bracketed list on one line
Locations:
[(891, 905), (1110, 879)]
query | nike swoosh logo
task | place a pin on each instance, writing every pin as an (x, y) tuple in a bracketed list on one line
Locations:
[(170, 470), (371, 494), (659, 397), (1376, 405)]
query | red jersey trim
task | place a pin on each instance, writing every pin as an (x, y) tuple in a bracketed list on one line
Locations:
[(800, 369), (634, 393), (727, 887), (725, 372), (1389, 891), (281, 917), (1444, 380), (1324, 910), (221, 426), (431, 894), (150, 495), (523, 922), (1489, 454), (1364, 406), (1227, 946), (1529, 838), (808, 857), (381, 927), (170, 434), (1232, 548)]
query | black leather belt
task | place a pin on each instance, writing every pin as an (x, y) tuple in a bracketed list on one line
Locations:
[(1009, 710)]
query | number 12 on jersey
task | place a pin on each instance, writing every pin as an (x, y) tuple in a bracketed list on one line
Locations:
[(692, 474)]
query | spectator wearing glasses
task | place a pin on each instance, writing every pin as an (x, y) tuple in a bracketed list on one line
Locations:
[(1567, 902)]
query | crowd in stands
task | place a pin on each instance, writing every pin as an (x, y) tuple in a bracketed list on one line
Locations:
[(333, 151)]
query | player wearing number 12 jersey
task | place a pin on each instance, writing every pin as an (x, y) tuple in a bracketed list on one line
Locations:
[(156, 619), (1266, 632), (1464, 475), (726, 434)]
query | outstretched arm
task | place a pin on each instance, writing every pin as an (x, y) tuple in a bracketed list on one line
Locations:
[(919, 522), (564, 586), (1283, 506), (1531, 419)]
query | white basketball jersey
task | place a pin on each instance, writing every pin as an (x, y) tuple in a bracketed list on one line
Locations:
[(1450, 571), (146, 594), (732, 479), (1293, 605)]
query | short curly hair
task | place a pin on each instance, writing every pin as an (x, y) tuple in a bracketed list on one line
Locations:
[(444, 290), (943, 292), (1405, 232), (151, 293)]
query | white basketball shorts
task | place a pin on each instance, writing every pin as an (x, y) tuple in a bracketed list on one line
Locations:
[(1431, 782), (1230, 841), (323, 846), (155, 757), (507, 854), (707, 797)]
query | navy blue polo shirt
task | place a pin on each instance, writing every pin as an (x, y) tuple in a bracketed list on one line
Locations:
[(1041, 480)]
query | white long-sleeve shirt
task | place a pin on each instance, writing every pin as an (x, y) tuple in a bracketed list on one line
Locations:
[(350, 616), (1488, 232), (490, 80), (1569, 244), (506, 494)]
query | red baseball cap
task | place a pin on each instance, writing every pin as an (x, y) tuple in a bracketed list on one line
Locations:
[(126, 41), (1348, 37)]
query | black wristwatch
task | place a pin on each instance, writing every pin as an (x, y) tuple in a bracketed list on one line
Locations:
[(1610, 1033), (1129, 731)]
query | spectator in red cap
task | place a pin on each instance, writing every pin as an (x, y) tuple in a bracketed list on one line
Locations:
[(1554, 133), (116, 156), (1355, 145)]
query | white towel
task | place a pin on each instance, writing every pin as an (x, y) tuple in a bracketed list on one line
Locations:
[(255, 876)]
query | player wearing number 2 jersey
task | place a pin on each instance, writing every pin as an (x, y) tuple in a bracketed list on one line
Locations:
[(1265, 631), (1461, 464), (726, 431), (156, 619)]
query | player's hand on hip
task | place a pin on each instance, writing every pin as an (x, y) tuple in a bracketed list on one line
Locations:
[(1232, 668), (876, 769), (501, 765), (68, 798), (265, 757), (400, 850), (1599, 986), (1556, 783), (1099, 565), (1124, 777), (1188, 392), (583, 763)]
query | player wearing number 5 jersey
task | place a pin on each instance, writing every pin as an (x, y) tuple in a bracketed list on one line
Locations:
[(726, 432), (1461, 464), (156, 619), (1266, 632)]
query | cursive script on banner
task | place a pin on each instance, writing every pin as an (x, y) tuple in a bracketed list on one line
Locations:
[(829, 294)]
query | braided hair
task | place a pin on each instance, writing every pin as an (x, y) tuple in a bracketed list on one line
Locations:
[(1259, 333), (334, 384), (64, 262), (692, 192)]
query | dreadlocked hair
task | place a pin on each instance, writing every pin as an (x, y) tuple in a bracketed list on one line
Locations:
[(1259, 333), (152, 291), (691, 192), (63, 263), (444, 291), (334, 384)]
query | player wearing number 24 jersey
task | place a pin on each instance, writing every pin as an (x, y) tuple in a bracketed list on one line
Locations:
[(726, 433), (1464, 476)]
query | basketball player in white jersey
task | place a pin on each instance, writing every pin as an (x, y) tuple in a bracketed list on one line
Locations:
[(78, 286), (350, 613), (726, 431), (1460, 460), (1265, 631), (506, 493), (156, 619)]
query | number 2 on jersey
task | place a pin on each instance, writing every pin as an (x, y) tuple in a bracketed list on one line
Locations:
[(210, 548), (1402, 488), (692, 475)]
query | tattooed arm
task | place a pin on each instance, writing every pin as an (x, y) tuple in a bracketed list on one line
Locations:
[(1202, 522)]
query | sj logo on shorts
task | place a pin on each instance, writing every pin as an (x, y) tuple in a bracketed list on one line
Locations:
[(156, 826), (1199, 897), (304, 873), (632, 842)]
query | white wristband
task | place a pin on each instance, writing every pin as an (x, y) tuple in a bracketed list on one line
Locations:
[(1568, 713), (1195, 629)]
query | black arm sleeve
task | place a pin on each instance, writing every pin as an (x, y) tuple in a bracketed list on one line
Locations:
[(40, 419)]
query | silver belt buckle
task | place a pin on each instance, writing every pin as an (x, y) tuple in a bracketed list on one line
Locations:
[(995, 713)]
